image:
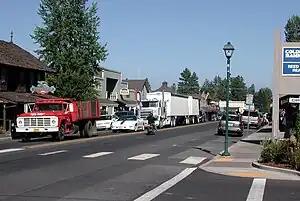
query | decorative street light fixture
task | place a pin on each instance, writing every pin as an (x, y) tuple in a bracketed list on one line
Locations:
[(228, 50)]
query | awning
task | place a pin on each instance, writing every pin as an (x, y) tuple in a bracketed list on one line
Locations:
[(128, 103), (208, 109), (107, 102)]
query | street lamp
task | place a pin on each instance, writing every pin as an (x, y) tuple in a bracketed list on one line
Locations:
[(228, 50)]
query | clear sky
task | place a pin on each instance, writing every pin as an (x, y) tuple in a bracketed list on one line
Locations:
[(159, 38)]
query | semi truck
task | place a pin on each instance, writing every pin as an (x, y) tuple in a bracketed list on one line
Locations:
[(171, 109), (58, 117)]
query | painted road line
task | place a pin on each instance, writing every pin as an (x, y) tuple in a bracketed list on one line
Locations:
[(192, 160), (249, 174), (52, 153), (95, 155), (257, 190), (223, 159), (143, 157), (107, 137), (10, 150), (166, 185)]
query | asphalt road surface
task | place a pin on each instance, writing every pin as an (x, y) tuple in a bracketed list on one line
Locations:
[(121, 167)]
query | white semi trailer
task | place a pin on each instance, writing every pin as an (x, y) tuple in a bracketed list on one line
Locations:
[(171, 109)]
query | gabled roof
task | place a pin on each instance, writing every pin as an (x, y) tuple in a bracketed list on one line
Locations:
[(164, 87), (138, 84), (13, 55)]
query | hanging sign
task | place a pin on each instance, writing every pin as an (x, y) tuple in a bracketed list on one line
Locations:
[(42, 88)]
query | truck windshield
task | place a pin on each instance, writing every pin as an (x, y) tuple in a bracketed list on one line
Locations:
[(149, 103), (49, 107)]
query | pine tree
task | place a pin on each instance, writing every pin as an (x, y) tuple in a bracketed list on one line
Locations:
[(69, 44)]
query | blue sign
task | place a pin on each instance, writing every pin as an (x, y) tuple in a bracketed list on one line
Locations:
[(291, 61)]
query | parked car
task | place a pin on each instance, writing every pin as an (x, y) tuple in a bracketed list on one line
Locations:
[(128, 123), (235, 125), (105, 122), (255, 119)]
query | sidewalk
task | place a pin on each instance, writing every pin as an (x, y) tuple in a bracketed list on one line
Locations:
[(243, 153)]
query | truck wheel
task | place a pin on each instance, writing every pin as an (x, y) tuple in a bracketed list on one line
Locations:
[(61, 133), (25, 138), (88, 129)]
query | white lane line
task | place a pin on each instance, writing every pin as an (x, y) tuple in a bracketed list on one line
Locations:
[(52, 153), (165, 186), (257, 190), (143, 157), (192, 160), (95, 155), (10, 150)]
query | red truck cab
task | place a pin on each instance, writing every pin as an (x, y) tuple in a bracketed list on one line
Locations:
[(58, 117)]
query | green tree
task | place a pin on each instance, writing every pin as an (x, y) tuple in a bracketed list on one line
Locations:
[(238, 88), (262, 99), (251, 89), (188, 83), (69, 44), (292, 29)]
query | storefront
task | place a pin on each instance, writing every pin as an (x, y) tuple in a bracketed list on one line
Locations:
[(286, 92)]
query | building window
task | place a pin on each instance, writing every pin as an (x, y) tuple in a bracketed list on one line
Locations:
[(4, 74), (98, 84)]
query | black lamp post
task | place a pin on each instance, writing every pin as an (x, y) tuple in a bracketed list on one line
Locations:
[(228, 50)]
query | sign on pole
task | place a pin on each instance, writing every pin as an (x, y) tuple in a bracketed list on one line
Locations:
[(249, 99), (291, 61), (249, 102)]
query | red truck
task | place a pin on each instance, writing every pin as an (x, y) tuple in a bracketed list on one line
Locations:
[(58, 117)]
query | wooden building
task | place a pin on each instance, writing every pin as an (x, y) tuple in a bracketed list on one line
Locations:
[(19, 70)]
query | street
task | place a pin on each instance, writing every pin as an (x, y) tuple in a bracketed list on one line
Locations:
[(121, 167)]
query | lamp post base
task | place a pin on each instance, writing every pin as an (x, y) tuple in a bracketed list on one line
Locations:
[(225, 153)]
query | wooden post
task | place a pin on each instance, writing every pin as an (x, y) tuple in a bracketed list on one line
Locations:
[(4, 117)]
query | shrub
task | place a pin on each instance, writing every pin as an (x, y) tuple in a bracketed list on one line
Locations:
[(278, 151), (297, 127), (295, 159)]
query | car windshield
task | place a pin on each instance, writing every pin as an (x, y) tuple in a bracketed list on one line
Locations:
[(128, 117), (123, 113), (231, 118), (252, 114), (49, 107), (105, 117)]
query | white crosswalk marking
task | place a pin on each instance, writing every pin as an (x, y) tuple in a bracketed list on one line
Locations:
[(143, 157), (95, 155), (257, 190), (52, 153), (10, 150), (192, 160)]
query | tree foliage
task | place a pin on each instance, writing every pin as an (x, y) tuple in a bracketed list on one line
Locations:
[(69, 43), (188, 83), (292, 29), (218, 86), (262, 99), (251, 89)]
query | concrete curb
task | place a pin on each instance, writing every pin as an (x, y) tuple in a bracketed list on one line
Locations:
[(275, 169)]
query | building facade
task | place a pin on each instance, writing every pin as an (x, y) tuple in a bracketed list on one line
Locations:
[(19, 71)]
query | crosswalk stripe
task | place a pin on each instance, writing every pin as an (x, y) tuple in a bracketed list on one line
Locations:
[(95, 155), (11, 150), (257, 190), (192, 160), (143, 157), (52, 153)]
